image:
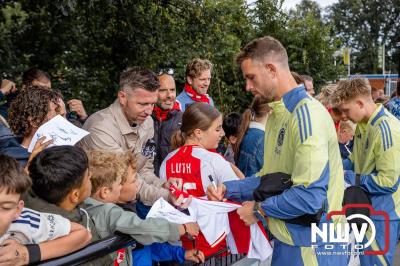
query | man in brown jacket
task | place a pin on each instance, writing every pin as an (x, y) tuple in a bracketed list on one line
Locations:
[(126, 125)]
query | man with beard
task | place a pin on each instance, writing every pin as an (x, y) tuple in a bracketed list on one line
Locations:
[(300, 147), (167, 118)]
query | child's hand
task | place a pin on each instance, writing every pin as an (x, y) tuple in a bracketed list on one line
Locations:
[(179, 198), (186, 202), (40, 145), (176, 201), (192, 229), (13, 253), (177, 182), (180, 201), (194, 255)]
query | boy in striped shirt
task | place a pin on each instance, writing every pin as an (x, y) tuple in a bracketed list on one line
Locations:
[(39, 236)]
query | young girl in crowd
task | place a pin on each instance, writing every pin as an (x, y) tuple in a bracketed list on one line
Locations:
[(346, 138), (249, 146), (325, 98), (192, 161), (230, 125)]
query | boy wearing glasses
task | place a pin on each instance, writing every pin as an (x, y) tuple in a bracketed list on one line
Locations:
[(40, 236)]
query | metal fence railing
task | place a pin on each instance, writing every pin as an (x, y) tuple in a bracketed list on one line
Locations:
[(215, 259), (115, 242), (93, 251)]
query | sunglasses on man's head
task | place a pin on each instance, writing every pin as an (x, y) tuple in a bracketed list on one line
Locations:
[(168, 71)]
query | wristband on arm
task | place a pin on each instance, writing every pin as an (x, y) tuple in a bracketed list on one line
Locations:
[(34, 253), (258, 212)]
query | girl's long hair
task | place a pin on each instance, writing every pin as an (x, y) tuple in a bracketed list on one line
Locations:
[(258, 108), (196, 116)]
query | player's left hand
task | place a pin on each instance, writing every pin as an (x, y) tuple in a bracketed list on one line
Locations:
[(246, 213)]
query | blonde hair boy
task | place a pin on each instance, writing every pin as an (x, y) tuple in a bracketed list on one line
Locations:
[(374, 161)]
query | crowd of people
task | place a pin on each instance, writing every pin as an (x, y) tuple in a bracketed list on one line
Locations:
[(288, 159)]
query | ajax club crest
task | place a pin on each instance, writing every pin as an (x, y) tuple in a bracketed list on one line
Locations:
[(279, 142)]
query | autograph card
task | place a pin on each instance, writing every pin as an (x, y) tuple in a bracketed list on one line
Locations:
[(60, 130)]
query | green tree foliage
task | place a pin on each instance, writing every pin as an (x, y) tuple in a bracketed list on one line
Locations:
[(364, 25), (305, 36), (84, 45), (310, 45), (12, 22)]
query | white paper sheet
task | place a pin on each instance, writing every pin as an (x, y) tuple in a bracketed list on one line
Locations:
[(60, 130), (162, 209)]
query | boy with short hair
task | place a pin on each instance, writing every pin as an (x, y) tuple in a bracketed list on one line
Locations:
[(375, 159), (60, 183), (109, 171), (45, 235)]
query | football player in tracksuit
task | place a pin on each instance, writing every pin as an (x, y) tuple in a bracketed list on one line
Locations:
[(376, 159), (300, 141)]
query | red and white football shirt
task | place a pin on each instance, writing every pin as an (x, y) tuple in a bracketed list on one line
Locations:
[(193, 165)]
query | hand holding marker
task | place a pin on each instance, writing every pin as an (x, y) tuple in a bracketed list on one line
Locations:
[(212, 181)]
